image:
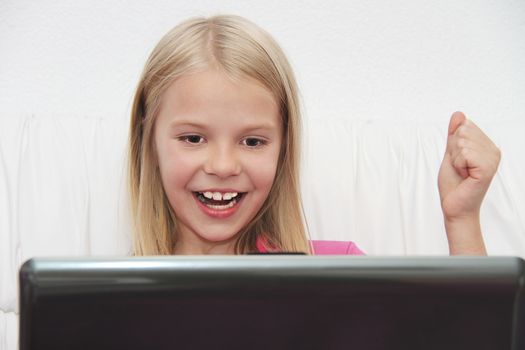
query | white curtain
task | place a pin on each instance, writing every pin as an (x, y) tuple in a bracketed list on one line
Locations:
[(63, 191)]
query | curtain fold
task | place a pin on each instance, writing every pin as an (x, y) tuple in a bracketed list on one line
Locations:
[(63, 191)]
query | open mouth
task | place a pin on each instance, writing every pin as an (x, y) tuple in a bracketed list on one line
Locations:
[(219, 201)]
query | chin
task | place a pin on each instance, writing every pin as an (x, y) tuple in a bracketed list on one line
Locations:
[(219, 237)]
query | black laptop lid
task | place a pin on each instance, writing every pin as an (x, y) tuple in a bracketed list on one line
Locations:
[(272, 302)]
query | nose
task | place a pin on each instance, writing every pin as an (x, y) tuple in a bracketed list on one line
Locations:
[(222, 161)]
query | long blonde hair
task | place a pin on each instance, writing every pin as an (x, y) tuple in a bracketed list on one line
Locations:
[(240, 49)]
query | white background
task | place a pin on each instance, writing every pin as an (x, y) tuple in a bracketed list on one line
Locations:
[(379, 80), (408, 59)]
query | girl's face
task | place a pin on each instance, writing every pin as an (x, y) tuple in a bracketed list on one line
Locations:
[(217, 144)]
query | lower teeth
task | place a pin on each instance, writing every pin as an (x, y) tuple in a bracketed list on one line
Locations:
[(229, 205)]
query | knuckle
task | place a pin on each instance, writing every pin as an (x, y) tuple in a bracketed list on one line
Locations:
[(462, 131), (498, 154), (461, 143)]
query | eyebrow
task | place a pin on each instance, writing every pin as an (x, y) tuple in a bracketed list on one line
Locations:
[(189, 123), (180, 123)]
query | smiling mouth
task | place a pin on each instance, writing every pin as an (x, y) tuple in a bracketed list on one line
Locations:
[(218, 204)]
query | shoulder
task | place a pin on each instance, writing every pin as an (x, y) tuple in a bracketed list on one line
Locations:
[(335, 248)]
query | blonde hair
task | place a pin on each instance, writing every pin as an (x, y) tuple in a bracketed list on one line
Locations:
[(241, 50)]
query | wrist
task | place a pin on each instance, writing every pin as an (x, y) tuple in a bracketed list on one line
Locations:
[(464, 236)]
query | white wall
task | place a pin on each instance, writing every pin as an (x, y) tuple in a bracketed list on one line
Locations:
[(409, 59)]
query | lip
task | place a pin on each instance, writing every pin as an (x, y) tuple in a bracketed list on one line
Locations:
[(218, 213), (221, 190)]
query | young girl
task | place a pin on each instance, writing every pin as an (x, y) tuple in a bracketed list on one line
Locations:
[(214, 151)]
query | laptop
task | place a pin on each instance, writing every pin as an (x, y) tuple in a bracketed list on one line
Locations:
[(273, 302)]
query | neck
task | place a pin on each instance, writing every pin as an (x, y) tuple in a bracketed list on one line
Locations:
[(199, 247)]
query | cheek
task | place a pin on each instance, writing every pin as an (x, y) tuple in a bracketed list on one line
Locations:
[(176, 169), (262, 171)]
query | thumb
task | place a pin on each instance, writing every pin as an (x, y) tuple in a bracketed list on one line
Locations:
[(459, 163), (455, 121)]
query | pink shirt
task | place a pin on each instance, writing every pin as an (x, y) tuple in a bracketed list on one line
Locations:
[(325, 248), (336, 248)]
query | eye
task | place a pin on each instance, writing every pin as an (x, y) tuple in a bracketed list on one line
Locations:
[(192, 139), (253, 142)]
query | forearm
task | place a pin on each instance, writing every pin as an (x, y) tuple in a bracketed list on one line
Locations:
[(464, 236)]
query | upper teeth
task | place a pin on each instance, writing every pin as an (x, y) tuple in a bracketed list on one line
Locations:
[(220, 196)]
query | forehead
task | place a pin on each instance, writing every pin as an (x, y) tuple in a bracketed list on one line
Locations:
[(211, 95)]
